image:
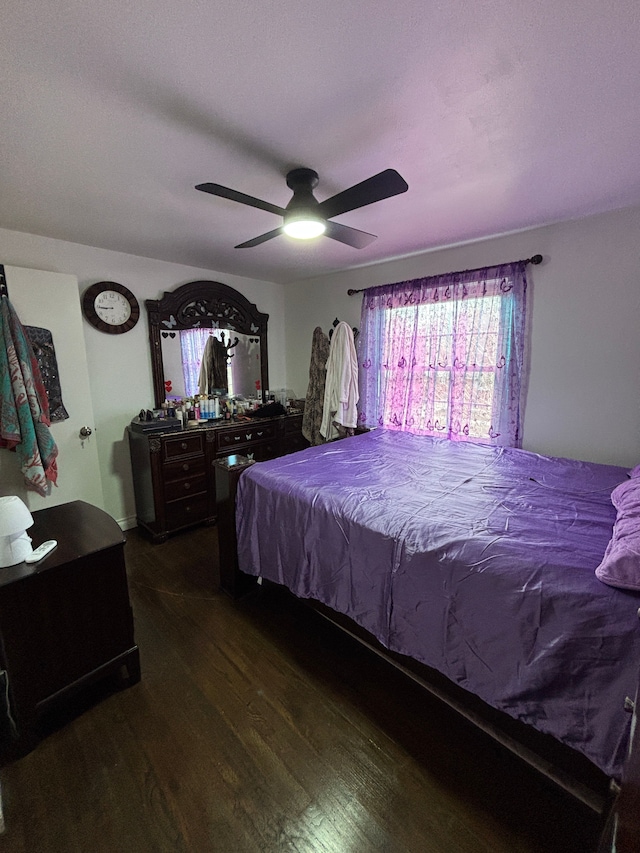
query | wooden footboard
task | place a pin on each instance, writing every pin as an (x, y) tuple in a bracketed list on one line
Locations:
[(622, 831)]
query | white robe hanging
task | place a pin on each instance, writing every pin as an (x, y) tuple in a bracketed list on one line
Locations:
[(341, 386)]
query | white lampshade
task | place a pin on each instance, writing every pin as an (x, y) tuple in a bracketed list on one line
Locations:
[(15, 518)]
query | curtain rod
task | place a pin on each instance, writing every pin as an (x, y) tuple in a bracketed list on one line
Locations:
[(535, 259)]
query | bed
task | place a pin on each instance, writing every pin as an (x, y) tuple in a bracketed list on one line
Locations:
[(477, 562)]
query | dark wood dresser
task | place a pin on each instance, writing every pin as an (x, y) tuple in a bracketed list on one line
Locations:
[(65, 621), (174, 475)]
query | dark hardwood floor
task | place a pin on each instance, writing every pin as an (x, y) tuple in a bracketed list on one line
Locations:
[(259, 727)]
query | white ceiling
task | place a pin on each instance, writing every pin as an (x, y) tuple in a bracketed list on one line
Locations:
[(500, 114)]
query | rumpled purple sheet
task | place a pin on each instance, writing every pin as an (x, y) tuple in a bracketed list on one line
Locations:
[(478, 561)]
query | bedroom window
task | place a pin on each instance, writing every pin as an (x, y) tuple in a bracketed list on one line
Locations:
[(444, 355)]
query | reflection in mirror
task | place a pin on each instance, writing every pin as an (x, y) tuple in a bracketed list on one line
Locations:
[(209, 309), (211, 361)]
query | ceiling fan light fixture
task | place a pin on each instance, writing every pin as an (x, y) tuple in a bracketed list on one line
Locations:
[(304, 227), (305, 218)]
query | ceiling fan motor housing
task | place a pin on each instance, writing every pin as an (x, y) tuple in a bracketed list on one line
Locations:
[(302, 179), (303, 202)]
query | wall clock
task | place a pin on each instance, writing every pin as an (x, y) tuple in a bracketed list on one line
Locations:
[(110, 307)]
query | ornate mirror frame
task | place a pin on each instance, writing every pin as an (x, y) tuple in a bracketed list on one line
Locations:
[(204, 305)]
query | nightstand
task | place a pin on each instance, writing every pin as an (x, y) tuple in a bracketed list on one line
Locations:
[(66, 621)]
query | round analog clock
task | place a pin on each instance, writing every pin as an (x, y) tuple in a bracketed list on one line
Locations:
[(110, 307)]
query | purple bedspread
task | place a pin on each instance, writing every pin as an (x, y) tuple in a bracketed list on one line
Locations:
[(478, 561)]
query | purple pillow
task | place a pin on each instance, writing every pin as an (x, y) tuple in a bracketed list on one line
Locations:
[(635, 472), (620, 565)]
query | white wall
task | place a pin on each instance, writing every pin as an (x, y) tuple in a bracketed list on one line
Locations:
[(585, 328), (585, 347), (120, 366)]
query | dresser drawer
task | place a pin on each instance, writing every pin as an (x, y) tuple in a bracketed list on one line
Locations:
[(183, 468), (184, 512), (185, 488), (264, 451), (294, 441), (228, 439), (293, 423), (258, 452), (182, 445)]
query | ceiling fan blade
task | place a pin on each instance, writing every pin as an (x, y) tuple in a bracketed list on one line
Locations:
[(261, 239), (349, 236), (234, 195), (383, 185)]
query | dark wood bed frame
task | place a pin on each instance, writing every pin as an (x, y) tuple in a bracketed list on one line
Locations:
[(618, 804)]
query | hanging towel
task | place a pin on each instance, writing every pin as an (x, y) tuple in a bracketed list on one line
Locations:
[(24, 408), (341, 385), (314, 402)]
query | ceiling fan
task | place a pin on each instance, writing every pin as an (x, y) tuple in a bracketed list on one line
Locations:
[(305, 217)]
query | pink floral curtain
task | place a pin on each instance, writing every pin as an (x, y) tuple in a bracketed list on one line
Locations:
[(444, 356)]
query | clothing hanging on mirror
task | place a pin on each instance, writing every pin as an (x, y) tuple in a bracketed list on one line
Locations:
[(213, 368), (340, 415), (314, 402), (355, 330)]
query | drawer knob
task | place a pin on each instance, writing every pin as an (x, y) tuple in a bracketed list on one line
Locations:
[(185, 467), (184, 445), (237, 437), (187, 486), (248, 436)]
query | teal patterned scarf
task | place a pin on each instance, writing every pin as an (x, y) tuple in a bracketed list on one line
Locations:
[(24, 407)]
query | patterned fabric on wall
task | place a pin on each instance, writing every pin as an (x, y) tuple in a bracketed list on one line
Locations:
[(24, 413), (41, 341)]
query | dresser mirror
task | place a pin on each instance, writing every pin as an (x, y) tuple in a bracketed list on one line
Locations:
[(236, 325)]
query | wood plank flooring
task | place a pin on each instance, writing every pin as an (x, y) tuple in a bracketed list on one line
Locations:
[(259, 728)]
